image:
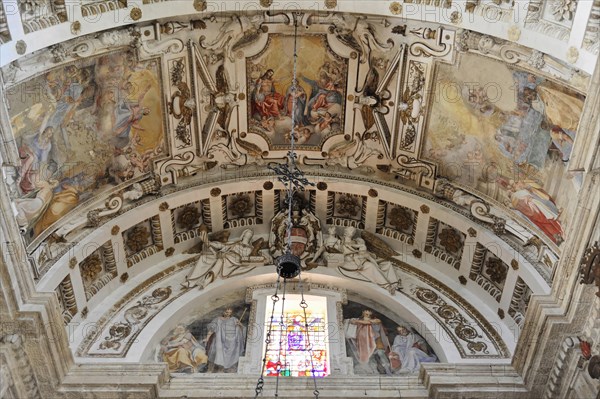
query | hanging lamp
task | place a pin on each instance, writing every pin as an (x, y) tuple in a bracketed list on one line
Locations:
[(288, 265)]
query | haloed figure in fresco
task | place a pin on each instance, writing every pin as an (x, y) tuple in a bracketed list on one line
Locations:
[(311, 106)]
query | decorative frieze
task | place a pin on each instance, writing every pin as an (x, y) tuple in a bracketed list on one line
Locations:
[(41, 14), (519, 302), (4, 32), (396, 221), (66, 299), (345, 209)]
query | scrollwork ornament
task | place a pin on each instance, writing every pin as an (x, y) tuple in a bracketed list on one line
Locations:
[(447, 312), (133, 316), (427, 296)]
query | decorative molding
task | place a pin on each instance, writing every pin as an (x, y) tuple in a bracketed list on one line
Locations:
[(589, 268)]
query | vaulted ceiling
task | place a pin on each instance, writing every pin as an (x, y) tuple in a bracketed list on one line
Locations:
[(458, 138)]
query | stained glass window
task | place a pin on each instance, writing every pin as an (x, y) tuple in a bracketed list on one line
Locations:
[(289, 352)]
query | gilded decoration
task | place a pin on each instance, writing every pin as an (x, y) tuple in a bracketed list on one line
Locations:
[(514, 264), (200, 5), (91, 267), (120, 331), (137, 239), (453, 319), (76, 27), (135, 13), (169, 251), (241, 205), (21, 47), (496, 270), (72, 262), (401, 218), (163, 206), (215, 192), (330, 4), (417, 254), (188, 217), (115, 230), (395, 8), (451, 240), (424, 208), (348, 205), (589, 268)]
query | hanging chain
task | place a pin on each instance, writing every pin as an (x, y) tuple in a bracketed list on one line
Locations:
[(304, 305), (294, 179), (292, 153), (261, 381)]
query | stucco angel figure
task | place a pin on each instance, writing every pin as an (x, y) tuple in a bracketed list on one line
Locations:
[(223, 259), (306, 236), (361, 261)]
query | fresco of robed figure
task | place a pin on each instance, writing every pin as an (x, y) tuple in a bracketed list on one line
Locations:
[(318, 96), (378, 345), (212, 343), (505, 134), (80, 128)]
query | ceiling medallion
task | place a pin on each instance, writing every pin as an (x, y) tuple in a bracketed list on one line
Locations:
[(329, 4), (396, 8), (135, 13), (288, 265), (199, 5), (21, 47), (76, 27)]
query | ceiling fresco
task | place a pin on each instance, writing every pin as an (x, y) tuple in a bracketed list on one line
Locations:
[(140, 176), (508, 135), (82, 128)]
